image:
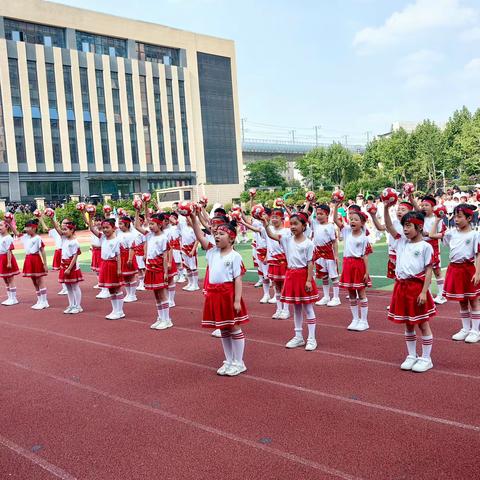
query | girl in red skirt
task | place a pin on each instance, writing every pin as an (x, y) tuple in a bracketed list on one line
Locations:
[(462, 281), (189, 255), (156, 266), (276, 259), (412, 303), (224, 307), (70, 274), (96, 249), (299, 288), (127, 255), (8, 264), (355, 278), (110, 275), (35, 264), (139, 247)]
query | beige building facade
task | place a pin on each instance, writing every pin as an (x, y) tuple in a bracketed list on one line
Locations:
[(95, 104)]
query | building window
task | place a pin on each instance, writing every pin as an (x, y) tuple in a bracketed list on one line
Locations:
[(89, 42), (89, 142), (50, 190), (158, 116), (104, 140), (134, 144), (218, 120), (56, 145), (100, 95), (19, 140), (130, 100), (38, 140), (84, 88), (171, 121), (15, 83), (146, 121), (34, 33), (51, 86), (33, 85), (72, 140), (119, 139), (3, 143), (183, 115), (158, 54), (116, 98), (115, 188), (67, 85)]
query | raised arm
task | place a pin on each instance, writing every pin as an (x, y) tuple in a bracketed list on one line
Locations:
[(388, 221), (376, 222), (272, 235), (56, 225), (336, 220), (433, 233), (197, 229), (13, 228), (91, 226), (138, 224), (250, 226)]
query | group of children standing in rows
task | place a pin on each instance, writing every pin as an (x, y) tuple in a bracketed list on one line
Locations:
[(153, 251)]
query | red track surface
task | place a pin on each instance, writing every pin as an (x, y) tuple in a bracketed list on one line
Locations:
[(87, 398)]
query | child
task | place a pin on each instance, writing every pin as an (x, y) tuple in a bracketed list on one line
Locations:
[(276, 259), (463, 274), (189, 255), (355, 276), (224, 307), (324, 255), (299, 288), (70, 274), (175, 246), (8, 264), (139, 249), (156, 266), (428, 203), (127, 255), (96, 250), (110, 275), (35, 264), (412, 302)]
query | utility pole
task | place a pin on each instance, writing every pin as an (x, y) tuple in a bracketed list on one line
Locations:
[(243, 120), (317, 127), (293, 135)]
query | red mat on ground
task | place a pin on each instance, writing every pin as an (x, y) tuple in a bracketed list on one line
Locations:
[(88, 398)]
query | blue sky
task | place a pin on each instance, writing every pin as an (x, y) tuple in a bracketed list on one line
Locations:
[(349, 66)]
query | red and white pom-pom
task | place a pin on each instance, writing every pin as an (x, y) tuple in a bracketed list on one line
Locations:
[(37, 213), (235, 215), (236, 208), (252, 192), (146, 197), (91, 208), (258, 211), (107, 209), (310, 196), (137, 204), (49, 212), (185, 208), (440, 210), (338, 196), (371, 208), (80, 206), (279, 202), (198, 207), (408, 188), (121, 212), (204, 200), (389, 196), (8, 216)]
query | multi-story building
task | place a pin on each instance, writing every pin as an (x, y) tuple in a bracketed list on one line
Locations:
[(95, 104)]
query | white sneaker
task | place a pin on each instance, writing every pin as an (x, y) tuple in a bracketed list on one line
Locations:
[(473, 337), (265, 299), (156, 324), (408, 363), (295, 342), (63, 291), (362, 326), (130, 299), (258, 284), (10, 301), (169, 323), (115, 316), (440, 301), (334, 302), (461, 335), (171, 304), (141, 288), (323, 301), (68, 309), (187, 288), (217, 333), (96, 287), (277, 314), (195, 289), (232, 370), (241, 367), (103, 294), (76, 310), (273, 301), (181, 279), (311, 345), (353, 325), (422, 365), (37, 306), (162, 325), (223, 369), (284, 315)]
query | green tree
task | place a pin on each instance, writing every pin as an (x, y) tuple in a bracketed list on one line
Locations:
[(469, 148), (452, 152), (266, 173)]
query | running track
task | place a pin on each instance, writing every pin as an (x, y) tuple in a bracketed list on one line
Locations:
[(87, 398)]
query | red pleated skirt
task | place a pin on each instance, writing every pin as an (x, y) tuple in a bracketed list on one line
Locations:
[(277, 271), (391, 265), (108, 276), (218, 311), (404, 307), (155, 274), (33, 266), (96, 259), (353, 274), (6, 272), (127, 270), (74, 276), (57, 259), (458, 282), (293, 290)]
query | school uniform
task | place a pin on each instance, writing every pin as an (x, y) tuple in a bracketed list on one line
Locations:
[(188, 239), (355, 247), (33, 265), (57, 254), (174, 239), (276, 258), (461, 269), (260, 249), (412, 260), (127, 241), (139, 249), (96, 250), (434, 242), (324, 237), (6, 245), (392, 254), (108, 276), (70, 248), (218, 311), (157, 245), (298, 255)]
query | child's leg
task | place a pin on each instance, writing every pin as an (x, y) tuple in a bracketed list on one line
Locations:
[(77, 295), (298, 320), (427, 340), (439, 278), (335, 288), (238, 347), (70, 295), (42, 288), (37, 289), (352, 295), (278, 292), (326, 288), (227, 345), (474, 334), (195, 278), (141, 278), (311, 324), (285, 306), (113, 299), (411, 340), (189, 279), (363, 324), (163, 309), (171, 292), (265, 284)]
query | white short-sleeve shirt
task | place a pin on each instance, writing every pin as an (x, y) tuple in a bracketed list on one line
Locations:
[(95, 241), (257, 236), (6, 244), (32, 245), (397, 225), (412, 258), (187, 234), (52, 233), (427, 227), (323, 233), (298, 254), (223, 268), (156, 245), (70, 247), (274, 247), (110, 247), (463, 246), (127, 239), (353, 246)]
